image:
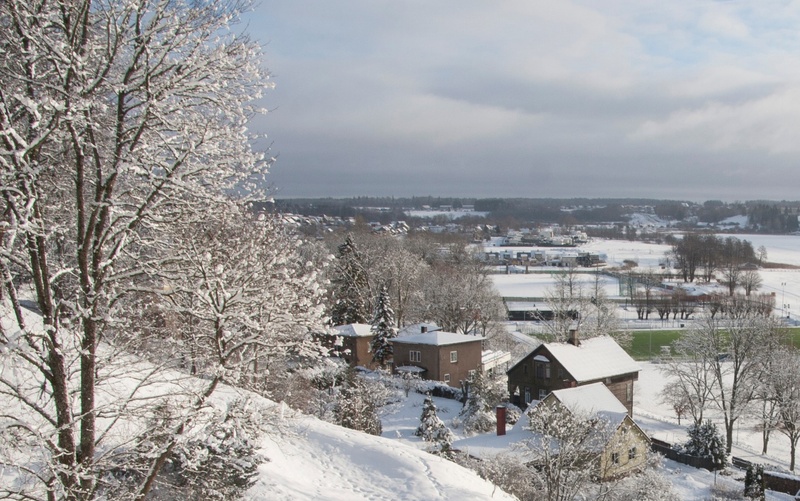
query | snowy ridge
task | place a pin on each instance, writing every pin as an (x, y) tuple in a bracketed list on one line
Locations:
[(312, 459)]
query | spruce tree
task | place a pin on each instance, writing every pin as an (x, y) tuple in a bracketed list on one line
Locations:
[(383, 329), (349, 286), (431, 428), (706, 441)]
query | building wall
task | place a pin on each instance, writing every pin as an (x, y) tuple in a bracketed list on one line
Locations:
[(627, 437), (361, 352), (622, 387), (354, 350), (468, 359), (436, 359), (534, 375)]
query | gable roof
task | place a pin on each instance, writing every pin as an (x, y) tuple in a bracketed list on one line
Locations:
[(354, 330), (592, 400), (437, 338), (595, 358)]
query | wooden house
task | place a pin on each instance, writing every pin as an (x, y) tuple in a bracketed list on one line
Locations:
[(555, 366)]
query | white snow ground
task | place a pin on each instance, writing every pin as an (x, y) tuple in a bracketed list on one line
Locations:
[(313, 460)]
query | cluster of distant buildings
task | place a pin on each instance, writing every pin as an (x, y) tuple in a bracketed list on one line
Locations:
[(552, 236)]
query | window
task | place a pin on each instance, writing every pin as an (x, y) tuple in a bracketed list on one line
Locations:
[(453, 357), (560, 373), (447, 378), (527, 395), (629, 391), (547, 371), (632, 453), (471, 374), (542, 393), (539, 371), (615, 458), (415, 356)]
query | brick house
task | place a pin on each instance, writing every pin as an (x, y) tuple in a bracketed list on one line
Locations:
[(555, 366), (438, 356)]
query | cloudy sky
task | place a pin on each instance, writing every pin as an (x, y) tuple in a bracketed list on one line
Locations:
[(681, 99)]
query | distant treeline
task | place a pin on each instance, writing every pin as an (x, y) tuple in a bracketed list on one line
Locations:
[(761, 216)]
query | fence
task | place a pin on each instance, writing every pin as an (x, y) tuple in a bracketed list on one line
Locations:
[(670, 453)]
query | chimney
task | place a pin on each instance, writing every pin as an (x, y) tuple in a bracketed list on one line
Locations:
[(423, 329), (501, 420), (573, 337)]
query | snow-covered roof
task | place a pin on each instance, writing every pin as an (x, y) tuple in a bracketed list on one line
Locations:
[(437, 338), (354, 330), (592, 400), (410, 368), (417, 329), (595, 358)]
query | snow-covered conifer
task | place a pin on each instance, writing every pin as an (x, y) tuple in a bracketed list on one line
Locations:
[(754, 482), (431, 428), (383, 329), (349, 284), (706, 441)]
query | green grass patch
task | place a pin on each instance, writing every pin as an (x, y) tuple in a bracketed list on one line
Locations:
[(647, 344)]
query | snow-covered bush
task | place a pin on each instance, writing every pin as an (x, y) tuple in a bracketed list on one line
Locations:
[(508, 473), (646, 484), (357, 405)]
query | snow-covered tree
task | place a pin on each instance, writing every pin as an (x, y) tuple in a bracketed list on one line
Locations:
[(784, 389), (245, 301), (567, 448), (357, 406), (754, 482), (119, 122), (741, 336), (705, 441), (459, 296), (349, 286), (383, 329), (477, 415), (691, 380), (431, 428), (576, 302)]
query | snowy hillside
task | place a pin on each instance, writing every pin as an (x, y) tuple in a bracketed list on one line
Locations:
[(312, 459)]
